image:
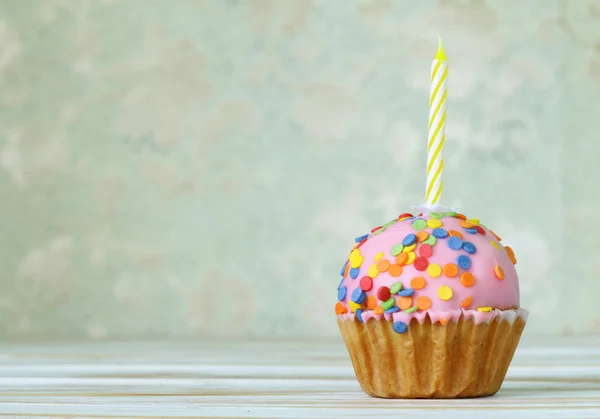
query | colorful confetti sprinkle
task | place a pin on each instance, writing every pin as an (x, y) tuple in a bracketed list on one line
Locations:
[(418, 282), (400, 327), (423, 302), (396, 249), (358, 296), (421, 263), (434, 223), (419, 224), (409, 239), (467, 279), (383, 293), (463, 262), (469, 248), (342, 293), (389, 303), (484, 309), (511, 254), (404, 302), (450, 270), (445, 292), (354, 273), (383, 265), (440, 233), (396, 287), (411, 309), (431, 240), (455, 243), (366, 283), (395, 270), (499, 272), (434, 270), (466, 302), (426, 250), (340, 308), (359, 315), (392, 310)]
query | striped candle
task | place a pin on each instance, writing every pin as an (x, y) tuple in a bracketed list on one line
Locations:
[(437, 126)]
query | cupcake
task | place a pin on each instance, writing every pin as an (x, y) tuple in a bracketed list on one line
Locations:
[(428, 307)]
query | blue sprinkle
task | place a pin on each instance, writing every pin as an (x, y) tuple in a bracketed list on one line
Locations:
[(455, 243), (340, 284), (471, 230), (342, 293), (439, 233), (406, 292), (354, 272), (361, 238), (392, 310), (400, 327), (409, 239), (463, 262), (358, 295), (469, 247), (359, 315), (343, 268)]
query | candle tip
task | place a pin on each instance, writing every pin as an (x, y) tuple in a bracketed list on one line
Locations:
[(440, 54)]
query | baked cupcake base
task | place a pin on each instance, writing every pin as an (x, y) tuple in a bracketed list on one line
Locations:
[(432, 360)]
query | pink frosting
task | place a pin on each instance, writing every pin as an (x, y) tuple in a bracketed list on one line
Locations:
[(487, 291)]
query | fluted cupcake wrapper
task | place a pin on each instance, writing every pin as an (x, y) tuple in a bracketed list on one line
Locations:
[(431, 360)]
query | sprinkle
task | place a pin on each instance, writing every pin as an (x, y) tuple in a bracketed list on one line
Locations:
[(340, 309), (431, 240), (445, 292), (511, 254), (473, 221), (366, 283), (411, 309), (406, 292), (463, 262), (484, 309), (467, 279), (440, 233), (342, 293), (419, 224), (383, 265), (409, 248), (406, 218), (450, 270), (426, 250), (378, 310), (383, 293), (422, 236), (396, 287), (354, 273), (347, 270), (396, 249), (405, 215), (389, 223), (455, 243), (423, 302), (461, 217), (378, 255), (356, 262), (392, 310), (373, 272), (404, 302), (340, 284), (395, 270), (466, 302), (435, 215), (480, 230), (499, 272), (389, 303), (443, 321), (411, 257), (359, 313), (421, 263), (455, 233), (371, 302), (376, 229), (361, 243), (409, 239), (434, 270), (451, 214), (418, 282), (358, 296), (400, 327), (402, 258), (496, 236), (343, 268), (496, 245), (469, 247), (361, 238), (354, 306), (471, 230), (434, 223)]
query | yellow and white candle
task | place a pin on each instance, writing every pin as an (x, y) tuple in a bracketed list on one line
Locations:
[(437, 127)]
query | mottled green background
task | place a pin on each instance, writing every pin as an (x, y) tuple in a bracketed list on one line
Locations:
[(199, 168)]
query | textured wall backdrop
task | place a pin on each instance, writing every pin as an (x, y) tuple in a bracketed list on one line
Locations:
[(200, 167)]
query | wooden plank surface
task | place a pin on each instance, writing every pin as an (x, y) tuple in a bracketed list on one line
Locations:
[(554, 378)]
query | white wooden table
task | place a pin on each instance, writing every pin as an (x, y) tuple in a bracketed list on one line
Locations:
[(557, 378)]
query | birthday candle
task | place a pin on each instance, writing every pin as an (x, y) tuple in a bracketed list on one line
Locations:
[(437, 126)]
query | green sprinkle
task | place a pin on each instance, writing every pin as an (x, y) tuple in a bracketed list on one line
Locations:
[(419, 224), (431, 240), (397, 249), (381, 230), (388, 303), (436, 215), (396, 287), (386, 225), (450, 214), (411, 309)]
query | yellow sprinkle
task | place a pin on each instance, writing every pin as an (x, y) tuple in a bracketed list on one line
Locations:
[(484, 309), (378, 255), (373, 271), (496, 245), (410, 248), (434, 270), (354, 306), (356, 262), (445, 292), (354, 254), (474, 221), (434, 223), (411, 257)]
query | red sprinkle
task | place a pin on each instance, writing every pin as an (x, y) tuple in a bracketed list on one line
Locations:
[(426, 250), (361, 243), (406, 214), (480, 230), (421, 263), (375, 229), (366, 283), (383, 293)]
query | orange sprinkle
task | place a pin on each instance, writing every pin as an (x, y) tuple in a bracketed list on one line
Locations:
[(418, 282), (496, 236), (455, 233), (423, 302), (499, 272), (402, 258), (371, 302), (443, 321), (340, 309), (378, 310), (395, 270), (466, 302), (467, 279), (450, 270), (461, 217), (347, 270), (466, 224), (404, 302), (511, 254), (383, 265), (422, 236)]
